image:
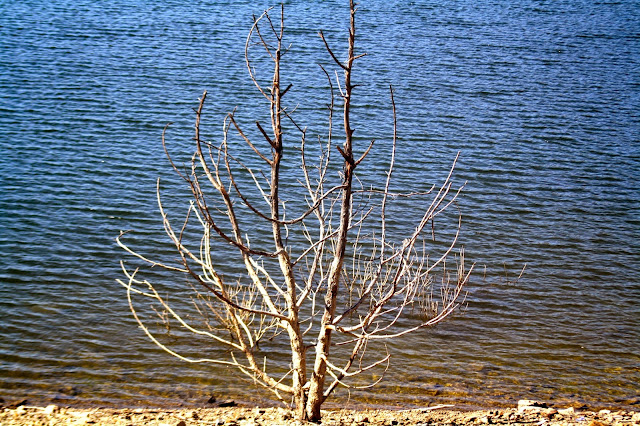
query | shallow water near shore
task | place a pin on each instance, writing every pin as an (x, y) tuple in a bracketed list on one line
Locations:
[(540, 98)]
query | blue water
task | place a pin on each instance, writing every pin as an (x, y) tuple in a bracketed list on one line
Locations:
[(542, 99)]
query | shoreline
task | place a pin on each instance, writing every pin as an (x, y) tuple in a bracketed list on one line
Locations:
[(528, 412)]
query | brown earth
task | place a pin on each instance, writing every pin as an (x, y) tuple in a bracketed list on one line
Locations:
[(536, 415)]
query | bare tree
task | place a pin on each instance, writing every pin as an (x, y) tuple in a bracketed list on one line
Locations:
[(329, 280)]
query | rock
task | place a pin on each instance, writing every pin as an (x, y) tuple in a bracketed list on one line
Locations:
[(532, 406), (532, 409), (635, 417), (211, 400), (51, 409), (80, 418), (227, 403), (20, 410), (181, 423), (17, 404), (604, 412), (567, 411), (532, 403), (629, 401), (70, 390)]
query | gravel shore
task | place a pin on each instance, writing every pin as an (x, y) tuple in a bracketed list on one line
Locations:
[(528, 413)]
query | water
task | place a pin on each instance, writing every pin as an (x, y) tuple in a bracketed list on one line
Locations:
[(541, 98)]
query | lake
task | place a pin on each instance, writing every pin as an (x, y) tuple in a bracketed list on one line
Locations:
[(542, 99)]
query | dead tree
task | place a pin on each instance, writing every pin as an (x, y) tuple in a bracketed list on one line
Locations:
[(332, 281)]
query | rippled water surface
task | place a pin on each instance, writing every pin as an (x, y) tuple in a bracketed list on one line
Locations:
[(542, 98)]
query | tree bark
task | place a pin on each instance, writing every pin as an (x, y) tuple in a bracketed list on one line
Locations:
[(323, 345)]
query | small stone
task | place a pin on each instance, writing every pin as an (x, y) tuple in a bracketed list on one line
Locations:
[(604, 412), (82, 418), (532, 409), (211, 400), (567, 411), (629, 401), (194, 415), (531, 403), (21, 410), (51, 409), (486, 420), (227, 403), (181, 423), (18, 404), (70, 390)]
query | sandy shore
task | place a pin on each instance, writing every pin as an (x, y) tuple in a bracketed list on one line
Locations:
[(527, 414)]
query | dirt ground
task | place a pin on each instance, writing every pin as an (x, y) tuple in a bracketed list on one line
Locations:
[(540, 415)]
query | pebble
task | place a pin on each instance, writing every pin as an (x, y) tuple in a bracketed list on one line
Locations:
[(51, 409), (531, 405), (54, 414), (532, 409), (567, 411)]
